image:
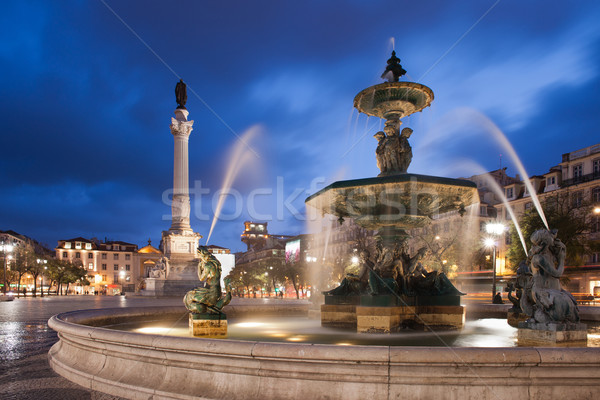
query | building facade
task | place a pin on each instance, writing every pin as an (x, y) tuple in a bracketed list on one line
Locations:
[(576, 182), (112, 267)]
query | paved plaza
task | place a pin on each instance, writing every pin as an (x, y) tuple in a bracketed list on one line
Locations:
[(25, 340)]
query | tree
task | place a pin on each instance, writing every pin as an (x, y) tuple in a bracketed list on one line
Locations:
[(35, 269), (11, 277), (572, 219), (24, 259)]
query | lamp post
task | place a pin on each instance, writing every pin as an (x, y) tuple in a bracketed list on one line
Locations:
[(40, 261), (5, 248), (495, 229)]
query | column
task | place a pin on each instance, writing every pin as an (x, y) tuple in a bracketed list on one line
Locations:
[(181, 129)]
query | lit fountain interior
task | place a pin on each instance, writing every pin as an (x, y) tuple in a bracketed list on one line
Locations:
[(274, 351)]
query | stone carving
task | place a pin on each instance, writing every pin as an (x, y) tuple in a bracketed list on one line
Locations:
[(180, 127), (181, 94), (208, 299), (393, 152), (389, 269), (543, 299), (159, 271)]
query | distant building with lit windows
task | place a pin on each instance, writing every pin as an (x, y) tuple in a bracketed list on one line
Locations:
[(112, 266)]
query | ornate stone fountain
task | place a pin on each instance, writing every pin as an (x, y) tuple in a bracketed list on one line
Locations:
[(393, 288)]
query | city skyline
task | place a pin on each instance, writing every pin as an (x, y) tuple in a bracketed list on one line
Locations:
[(88, 99)]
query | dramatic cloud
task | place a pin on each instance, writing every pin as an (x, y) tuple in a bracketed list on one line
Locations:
[(88, 97)]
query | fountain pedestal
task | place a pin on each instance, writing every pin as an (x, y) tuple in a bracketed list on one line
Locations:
[(208, 325), (552, 335), (382, 319)]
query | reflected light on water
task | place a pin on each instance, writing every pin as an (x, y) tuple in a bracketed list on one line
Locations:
[(249, 324), (152, 329)]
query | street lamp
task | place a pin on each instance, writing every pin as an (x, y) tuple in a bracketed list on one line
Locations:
[(495, 229), (39, 261), (5, 248)]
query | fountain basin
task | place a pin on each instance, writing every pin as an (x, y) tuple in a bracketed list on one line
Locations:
[(393, 98), (400, 201), (136, 366)]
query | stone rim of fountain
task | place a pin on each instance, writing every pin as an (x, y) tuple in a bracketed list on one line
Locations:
[(136, 365)]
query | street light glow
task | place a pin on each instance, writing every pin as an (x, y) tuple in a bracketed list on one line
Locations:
[(597, 210), (354, 260), (488, 242)]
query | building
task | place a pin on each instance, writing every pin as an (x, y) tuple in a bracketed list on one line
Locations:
[(576, 179), (112, 266)]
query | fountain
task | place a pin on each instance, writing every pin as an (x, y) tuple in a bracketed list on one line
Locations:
[(131, 364), (393, 290)]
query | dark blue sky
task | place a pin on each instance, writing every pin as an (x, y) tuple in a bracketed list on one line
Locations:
[(86, 106)]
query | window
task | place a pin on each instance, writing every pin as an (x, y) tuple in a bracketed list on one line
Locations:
[(78, 255), (595, 224), (88, 246), (104, 278), (596, 166), (596, 194), (90, 255), (115, 256), (116, 278), (128, 256), (595, 258), (91, 266), (77, 245), (509, 193), (115, 247), (116, 267), (577, 170), (482, 211), (551, 180), (128, 278), (577, 199), (104, 256), (65, 254), (67, 245), (127, 267), (103, 267)]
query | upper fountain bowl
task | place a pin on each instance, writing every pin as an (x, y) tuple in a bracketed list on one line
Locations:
[(398, 99)]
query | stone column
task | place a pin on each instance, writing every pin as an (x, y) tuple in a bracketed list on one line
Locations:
[(180, 207)]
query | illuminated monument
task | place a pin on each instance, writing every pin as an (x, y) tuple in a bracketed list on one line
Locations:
[(179, 272)]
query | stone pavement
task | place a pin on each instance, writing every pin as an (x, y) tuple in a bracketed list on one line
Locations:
[(25, 340)]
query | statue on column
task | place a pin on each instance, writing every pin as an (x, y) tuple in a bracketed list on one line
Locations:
[(181, 94)]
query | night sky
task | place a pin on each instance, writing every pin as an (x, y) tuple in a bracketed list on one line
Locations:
[(88, 95)]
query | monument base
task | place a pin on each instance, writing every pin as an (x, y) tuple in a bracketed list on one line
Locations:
[(169, 288), (382, 319), (338, 316), (553, 335), (208, 325)]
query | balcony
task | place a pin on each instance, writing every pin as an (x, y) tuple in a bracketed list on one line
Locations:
[(580, 179)]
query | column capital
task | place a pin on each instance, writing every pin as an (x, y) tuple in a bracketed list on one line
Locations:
[(181, 128)]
